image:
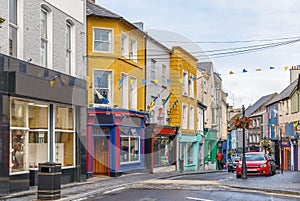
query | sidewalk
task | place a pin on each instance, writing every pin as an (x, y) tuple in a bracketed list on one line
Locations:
[(286, 183)]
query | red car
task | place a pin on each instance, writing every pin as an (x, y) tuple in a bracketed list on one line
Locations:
[(257, 163)]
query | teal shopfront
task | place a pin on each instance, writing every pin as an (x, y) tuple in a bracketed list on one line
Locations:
[(189, 148), (210, 147)]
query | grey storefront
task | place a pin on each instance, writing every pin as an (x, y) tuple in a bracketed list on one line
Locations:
[(42, 118)]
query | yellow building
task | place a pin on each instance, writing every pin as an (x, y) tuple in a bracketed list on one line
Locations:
[(115, 60), (183, 106), (116, 93)]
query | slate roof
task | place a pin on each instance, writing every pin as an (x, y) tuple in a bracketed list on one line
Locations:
[(285, 93), (93, 9), (205, 66), (251, 109)]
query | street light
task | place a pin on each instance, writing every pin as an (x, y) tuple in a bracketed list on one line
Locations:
[(244, 168)]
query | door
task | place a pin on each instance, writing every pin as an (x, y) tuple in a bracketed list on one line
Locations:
[(287, 156), (101, 155)]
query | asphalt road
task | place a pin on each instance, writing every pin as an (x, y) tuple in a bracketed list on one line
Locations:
[(187, 195)]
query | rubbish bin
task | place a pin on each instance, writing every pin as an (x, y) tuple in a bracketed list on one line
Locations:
[(49, 181)]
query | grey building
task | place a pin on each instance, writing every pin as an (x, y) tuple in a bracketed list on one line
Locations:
[(42, 91)]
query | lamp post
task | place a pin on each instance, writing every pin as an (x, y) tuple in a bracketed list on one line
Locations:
[(244, 168)]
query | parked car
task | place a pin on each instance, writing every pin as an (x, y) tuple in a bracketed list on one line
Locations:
[(257, 163), (232, 163)]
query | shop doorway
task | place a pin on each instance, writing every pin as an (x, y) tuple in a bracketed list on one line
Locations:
[(101, 163)]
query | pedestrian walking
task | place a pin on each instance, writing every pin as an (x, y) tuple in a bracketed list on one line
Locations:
[(223, 161), (219, 157)]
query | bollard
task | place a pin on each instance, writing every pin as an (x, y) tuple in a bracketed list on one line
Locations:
[(49, 181)]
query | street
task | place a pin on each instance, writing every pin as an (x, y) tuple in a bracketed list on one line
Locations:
[(203, 187)]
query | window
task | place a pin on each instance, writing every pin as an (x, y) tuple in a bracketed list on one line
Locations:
[(130, 145), (133, 49), (103, 40), (18, 135), (69, 47), (191, 116), (44, 37), (124, 91), (13, 27), (125, 43), (103, 90), (38, 134), (153, 62), (294, 103), (64, 136), (133, 93), (190, 153), (184, 116), (192, 85), (163, 75), (275, 111), (184, 83)]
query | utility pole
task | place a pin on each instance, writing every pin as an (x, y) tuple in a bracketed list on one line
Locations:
[(244, 168)]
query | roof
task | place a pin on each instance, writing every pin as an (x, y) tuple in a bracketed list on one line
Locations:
[(251, 109), (285, 93), (93, 9), (205, 66)]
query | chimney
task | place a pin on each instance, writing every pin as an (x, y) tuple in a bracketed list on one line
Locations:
[(294, 73), (139, 25)]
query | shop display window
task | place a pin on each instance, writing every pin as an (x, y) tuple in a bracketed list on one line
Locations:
[(64, 148), (130, 145), (18, 113), (18, 150), (64, 118)]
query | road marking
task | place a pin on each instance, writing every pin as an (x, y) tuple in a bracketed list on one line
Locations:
[(191, 182), (191, 198), (81, 199), (113, 190)]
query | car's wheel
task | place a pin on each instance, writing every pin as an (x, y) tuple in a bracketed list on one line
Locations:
[(238, 176)]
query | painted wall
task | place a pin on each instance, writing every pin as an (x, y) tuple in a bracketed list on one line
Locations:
[(114, 61)]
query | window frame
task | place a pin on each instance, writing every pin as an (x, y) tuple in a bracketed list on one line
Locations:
[(192, 86), (191, 117), (153, 70), (125, 45), (124, 90), (70, 45), (110, 40), (133, 49), (185, 87), (185, 118), (133, 92), (109, 88)]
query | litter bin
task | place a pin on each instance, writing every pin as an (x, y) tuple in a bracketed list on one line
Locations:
[(49, 181)]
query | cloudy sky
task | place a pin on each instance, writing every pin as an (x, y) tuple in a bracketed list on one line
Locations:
[(228, 21)]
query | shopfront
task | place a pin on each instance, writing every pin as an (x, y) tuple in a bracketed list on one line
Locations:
[(40, 122), (210, 147), (189, 146), (115, 141)]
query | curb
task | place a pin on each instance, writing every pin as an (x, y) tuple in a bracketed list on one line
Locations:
[(263, 189)]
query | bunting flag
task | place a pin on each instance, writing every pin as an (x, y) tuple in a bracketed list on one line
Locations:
[(132, 81), (144, 81), (218, 74), (180, 80), (102, 98), (271, 67), (120, 81), (109, 79), (206, 75), (155, 81), (167, 99), (286, 68), (231, 72), (174, 104), (98, 80), (244, 70), (258, 69), (168, 81)]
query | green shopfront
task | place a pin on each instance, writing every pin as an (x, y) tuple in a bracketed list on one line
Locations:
[(210, 148), (189, 151)]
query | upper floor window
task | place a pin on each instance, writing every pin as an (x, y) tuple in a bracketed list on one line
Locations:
[(69, 47), (163, 75), (295, 103), (44, 37), (124, 90), (125, 43), (184, 116), (275, 111), (103, 87), (191, 120), (185, 83), (103, 40), (13, 27), (192, 82), (133, 49), (133, 93), (153, 63)]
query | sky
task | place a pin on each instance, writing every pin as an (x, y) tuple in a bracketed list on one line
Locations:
[(200, 22)]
